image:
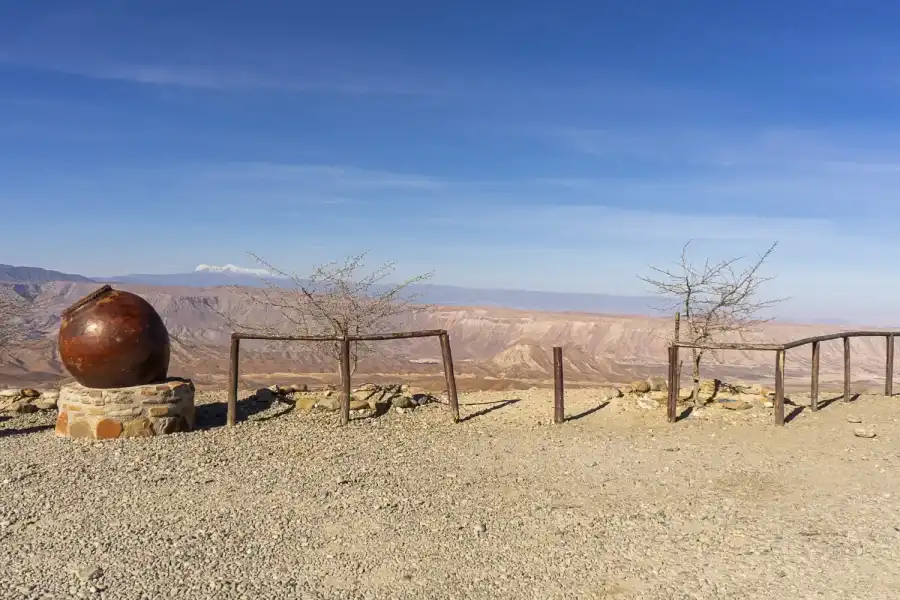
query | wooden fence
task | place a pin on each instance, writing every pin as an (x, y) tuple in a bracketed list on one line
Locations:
[(780, 350), (674, 375), (449, 374)]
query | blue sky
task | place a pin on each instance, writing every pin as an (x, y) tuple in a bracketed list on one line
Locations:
[(557, 146)]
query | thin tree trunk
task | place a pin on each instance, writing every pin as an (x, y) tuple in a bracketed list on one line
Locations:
[(678, 377), (354, 360), (696, 376), (678, 366)]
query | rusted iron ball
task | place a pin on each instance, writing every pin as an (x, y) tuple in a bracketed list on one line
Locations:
[(112, 338)]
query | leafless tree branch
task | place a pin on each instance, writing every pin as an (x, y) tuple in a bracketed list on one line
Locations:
[(716, 299), (337, 298)]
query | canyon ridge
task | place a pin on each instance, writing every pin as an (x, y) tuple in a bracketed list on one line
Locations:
[(493, 348)]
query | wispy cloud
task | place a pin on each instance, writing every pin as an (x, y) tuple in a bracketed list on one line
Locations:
[(229, 78), (31, 131), (744, 199), (501, 93), (334, 176), (121, 44), (578, 207), (98, 50), (772, 147), (234, 78), (578, 224)]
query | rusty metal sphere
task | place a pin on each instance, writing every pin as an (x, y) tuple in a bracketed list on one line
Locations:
[(112, 338)]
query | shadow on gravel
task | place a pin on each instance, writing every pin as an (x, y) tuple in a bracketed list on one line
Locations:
[(210, 416), (685, 414), (496, 406), (589, 411), (24, 430), (288, 408), (830, 401), (798, 410)]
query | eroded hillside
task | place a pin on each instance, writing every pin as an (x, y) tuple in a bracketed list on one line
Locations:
[(492, 347)]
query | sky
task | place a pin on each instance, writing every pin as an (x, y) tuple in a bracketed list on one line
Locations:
[(551, 146)]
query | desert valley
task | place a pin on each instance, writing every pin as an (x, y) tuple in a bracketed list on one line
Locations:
[(494, 348)]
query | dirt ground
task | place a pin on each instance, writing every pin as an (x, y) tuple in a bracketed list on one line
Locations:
[(614, 503)]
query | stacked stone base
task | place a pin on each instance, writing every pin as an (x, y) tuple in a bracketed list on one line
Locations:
[(139, 411)]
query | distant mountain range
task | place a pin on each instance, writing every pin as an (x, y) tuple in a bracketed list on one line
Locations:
[(11, 274), (443, 295), (235, 270), (207, 276), (192, 279)]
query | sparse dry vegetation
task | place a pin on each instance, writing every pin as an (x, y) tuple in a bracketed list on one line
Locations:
[(715, 299), (340, 298)]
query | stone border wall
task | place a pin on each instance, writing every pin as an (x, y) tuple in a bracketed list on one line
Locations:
[(139, 411)]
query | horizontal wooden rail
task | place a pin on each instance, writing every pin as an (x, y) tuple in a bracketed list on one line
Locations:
[(780, 350), (372, 337), (286, 338), (787, 345), (837, 336), (734, 346)]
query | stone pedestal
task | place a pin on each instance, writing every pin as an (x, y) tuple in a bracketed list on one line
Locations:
[(139, 411)]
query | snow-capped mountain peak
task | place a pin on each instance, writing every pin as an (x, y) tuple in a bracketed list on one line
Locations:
[(234, 269)]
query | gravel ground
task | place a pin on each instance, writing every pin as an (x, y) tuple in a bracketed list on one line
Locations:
[(614, 504)]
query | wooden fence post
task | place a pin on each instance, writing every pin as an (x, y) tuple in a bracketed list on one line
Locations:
[(779, 387), (674, 385), (814, 384), (345, 381), (846, 369), (450, 376), (559, 410), (231, 416), (889, 367)]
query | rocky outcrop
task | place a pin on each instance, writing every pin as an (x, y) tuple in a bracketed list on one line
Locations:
[(379, 398), (28, 400), (653, 393)]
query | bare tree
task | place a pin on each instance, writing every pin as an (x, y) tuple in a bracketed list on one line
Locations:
[(337, 299), (17, 311), (716, 299)]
